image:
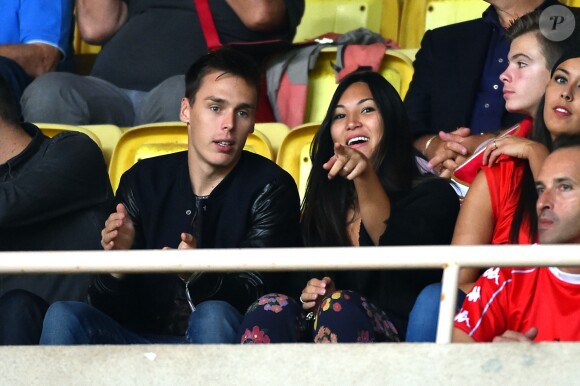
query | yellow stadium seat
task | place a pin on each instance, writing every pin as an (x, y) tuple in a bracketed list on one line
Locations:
[(82, 47), (52, 129), (108, 136), (390, 19), (260, 144), (421, 15), (85, 53), (572, 3), (340, 16), (294, 154), (156, 139), (274, 132), (396, 67)]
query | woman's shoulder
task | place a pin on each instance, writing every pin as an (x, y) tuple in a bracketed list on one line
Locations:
[(504, 170)]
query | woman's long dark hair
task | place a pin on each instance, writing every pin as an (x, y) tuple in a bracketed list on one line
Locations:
[(526, 207), (326, 202)]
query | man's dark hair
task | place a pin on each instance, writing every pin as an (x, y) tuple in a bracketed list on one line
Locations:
[(9, 111), (530, 22), (226, 60)]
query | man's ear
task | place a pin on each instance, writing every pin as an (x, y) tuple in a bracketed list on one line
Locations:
[(184, 110)]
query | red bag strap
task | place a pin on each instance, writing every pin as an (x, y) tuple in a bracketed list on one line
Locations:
[(212, 38)]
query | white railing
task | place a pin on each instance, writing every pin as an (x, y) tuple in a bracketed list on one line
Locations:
[(450, 258)]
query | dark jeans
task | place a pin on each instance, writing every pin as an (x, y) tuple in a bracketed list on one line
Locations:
[(424, 316), (21, 315), (68, 323)]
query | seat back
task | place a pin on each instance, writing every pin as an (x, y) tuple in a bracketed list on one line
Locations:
[(258, 143), (396, 67), (294, 154), (82, 47), (108, 136), (571, 3), (274, 132), (52, 129), (156, 139), (340, 16), (390, 19), (420, 15)]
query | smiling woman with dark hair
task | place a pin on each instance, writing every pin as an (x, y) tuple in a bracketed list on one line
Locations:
[(364, 190)]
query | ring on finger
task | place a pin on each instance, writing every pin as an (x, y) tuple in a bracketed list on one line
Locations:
[(301, 301), (494, 145)]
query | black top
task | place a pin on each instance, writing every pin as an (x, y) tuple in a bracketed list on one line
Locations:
[(162, 38), (256, 205), (424, 216), (54, 195)]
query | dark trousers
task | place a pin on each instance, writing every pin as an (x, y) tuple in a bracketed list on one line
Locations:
[(21, 316), (343, 316), (16, 78)]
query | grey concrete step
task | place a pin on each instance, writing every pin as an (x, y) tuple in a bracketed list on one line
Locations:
[(294, 364)]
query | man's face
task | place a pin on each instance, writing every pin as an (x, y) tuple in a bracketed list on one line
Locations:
[(526, 77), (558, 205), (220, 120)]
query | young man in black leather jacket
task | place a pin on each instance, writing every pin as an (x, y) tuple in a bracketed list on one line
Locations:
[(215, 195)]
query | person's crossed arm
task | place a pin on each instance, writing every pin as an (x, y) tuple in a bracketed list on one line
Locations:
[(36, 44), (508, 336), (99, 20)]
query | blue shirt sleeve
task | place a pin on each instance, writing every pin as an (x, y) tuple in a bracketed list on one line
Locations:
[(38, 21)]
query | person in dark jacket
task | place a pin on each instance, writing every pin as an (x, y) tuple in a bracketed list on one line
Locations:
[(456, 93), (215, 195), (55, 195), (364, 189)]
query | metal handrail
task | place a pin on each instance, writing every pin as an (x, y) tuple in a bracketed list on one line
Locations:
[(450, 258)]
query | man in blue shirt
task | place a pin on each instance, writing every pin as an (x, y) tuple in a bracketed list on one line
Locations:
[(35, 36), (147, 46)]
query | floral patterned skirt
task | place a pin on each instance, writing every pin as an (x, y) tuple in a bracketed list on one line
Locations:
[(343, 316)]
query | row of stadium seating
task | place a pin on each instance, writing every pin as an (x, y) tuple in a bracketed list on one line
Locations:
[(123, 148), (404, 21)]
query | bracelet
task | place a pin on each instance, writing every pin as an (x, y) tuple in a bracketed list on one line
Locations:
[(427, 145)]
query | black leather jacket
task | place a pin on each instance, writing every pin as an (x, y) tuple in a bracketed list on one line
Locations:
[(256, 205)]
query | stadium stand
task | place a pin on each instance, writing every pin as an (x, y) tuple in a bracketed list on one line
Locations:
[(294, 154), (396, 67), (420, 15), (274, 132), (108, 136), (340, 16), (52, 129)]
